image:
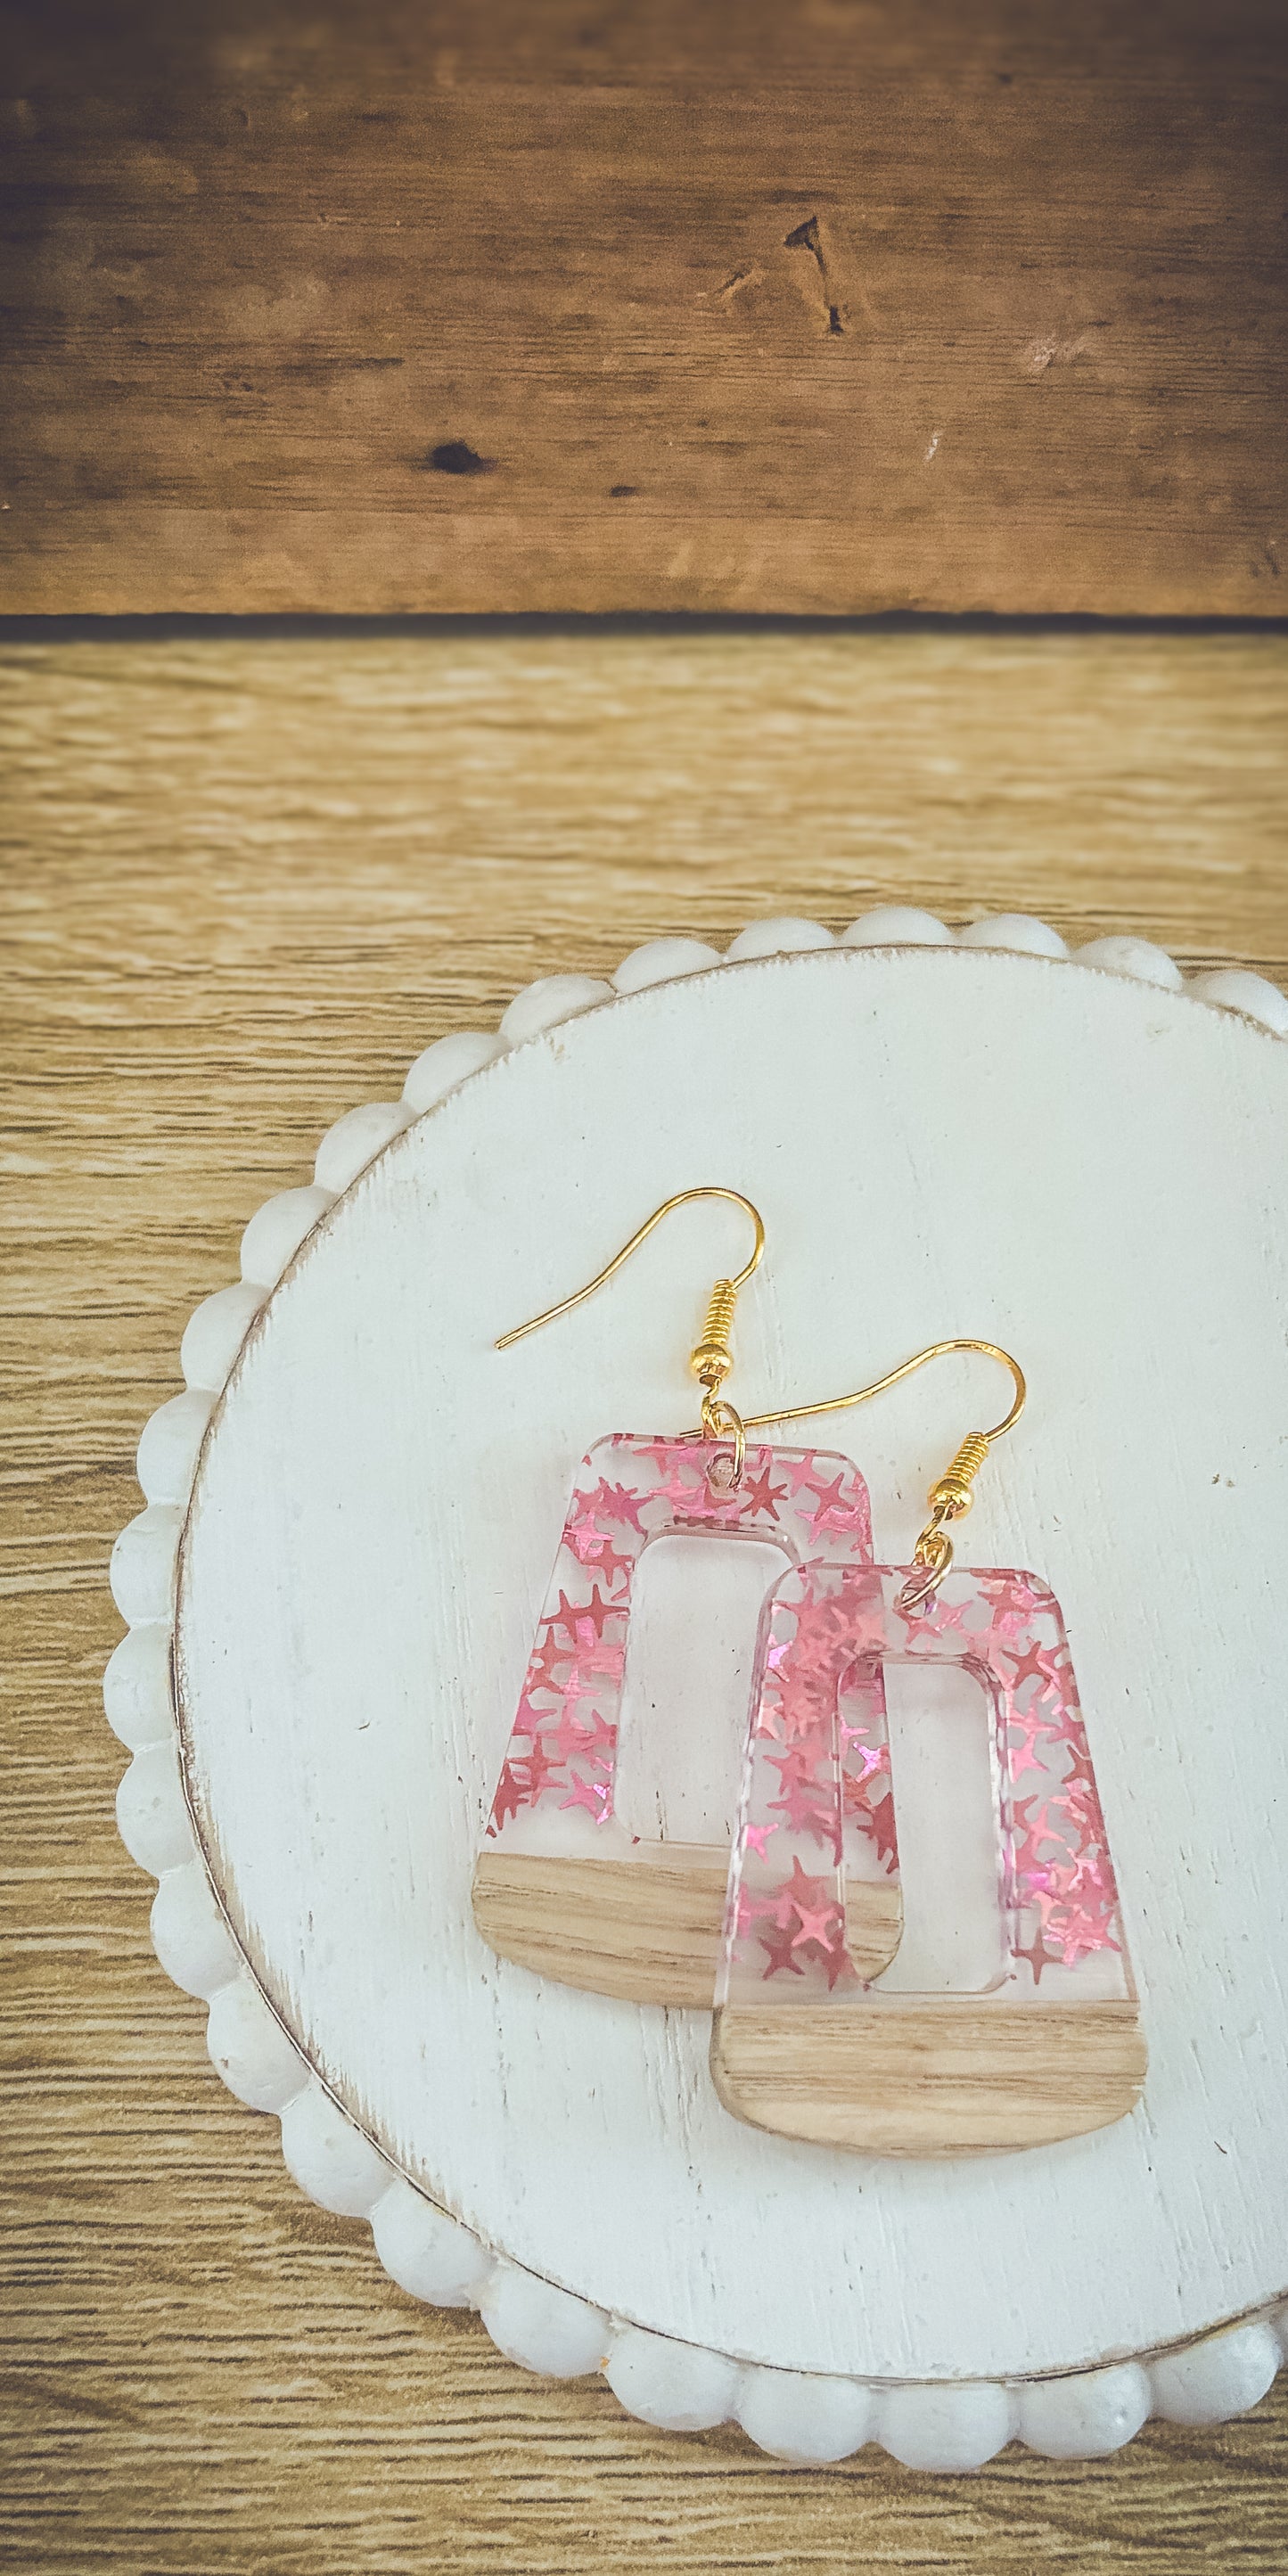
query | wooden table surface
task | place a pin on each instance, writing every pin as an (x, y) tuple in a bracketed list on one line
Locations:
[(248, 875), (794, 305)]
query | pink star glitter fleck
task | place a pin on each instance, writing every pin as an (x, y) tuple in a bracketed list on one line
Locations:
[(627, 1493), (831, 1630)]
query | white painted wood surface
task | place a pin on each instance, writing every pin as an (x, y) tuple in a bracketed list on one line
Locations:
[(1087, 1167)]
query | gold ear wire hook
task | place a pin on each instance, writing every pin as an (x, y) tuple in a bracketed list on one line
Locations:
[(878, 1386), (950, 1497), (681, 1198), (712, 1355), (712, 1358)]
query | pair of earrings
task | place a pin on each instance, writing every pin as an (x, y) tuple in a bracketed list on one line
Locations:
[(789, 1933)]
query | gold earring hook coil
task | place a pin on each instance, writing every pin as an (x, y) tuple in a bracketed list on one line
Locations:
[(950, 1497), (919, 1360), (711, 1360), (680, 1198), (712, 1355)]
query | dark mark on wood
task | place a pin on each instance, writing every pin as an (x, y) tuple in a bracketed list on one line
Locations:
[(807, 236), (622, 491), (453, 456)]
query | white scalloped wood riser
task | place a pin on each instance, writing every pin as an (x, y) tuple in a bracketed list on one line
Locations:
[(664, 2378)]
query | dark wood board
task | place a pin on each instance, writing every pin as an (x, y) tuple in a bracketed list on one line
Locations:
[(798, 305)]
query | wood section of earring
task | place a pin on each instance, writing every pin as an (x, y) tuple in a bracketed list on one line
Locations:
[(646, 1930), (955, 2075), (1019, 2063)]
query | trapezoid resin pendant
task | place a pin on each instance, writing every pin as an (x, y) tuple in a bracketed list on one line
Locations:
[(561, 1887), (803, 2042)]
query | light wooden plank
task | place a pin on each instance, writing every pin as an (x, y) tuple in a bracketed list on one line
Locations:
[(246, 879), (815, 309), (647, 1930), (929, 2078)]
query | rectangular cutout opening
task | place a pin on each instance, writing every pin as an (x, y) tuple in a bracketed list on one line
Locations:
[(945, 1803), (695, 1613)]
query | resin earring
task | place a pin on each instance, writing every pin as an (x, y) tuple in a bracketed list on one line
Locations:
[(560, 1885), (804, 2043)]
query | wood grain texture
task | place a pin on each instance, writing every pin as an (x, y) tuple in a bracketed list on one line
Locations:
[(647, 1931), (929, 2078), (246, 879), (804, 307)]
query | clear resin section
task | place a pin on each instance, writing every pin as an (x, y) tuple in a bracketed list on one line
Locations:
[(556, 1790), (817, 1781)]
